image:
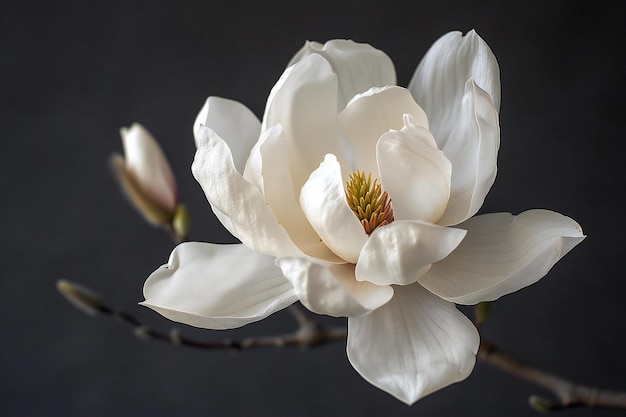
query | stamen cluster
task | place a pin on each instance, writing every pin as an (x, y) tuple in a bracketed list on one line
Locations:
[(370, 204)]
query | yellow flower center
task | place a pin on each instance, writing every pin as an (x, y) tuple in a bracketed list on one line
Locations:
[(370, 204)]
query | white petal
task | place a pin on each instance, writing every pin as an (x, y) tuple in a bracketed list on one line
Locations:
[(283, 198), (332, 290), (449, 63), (304, 102), (463, 115), (145, 159), (472, 147), (371, 114), (217, 286), (234, 123), (414, 172), (323, 200), (252, 172), (401, 252), (501, 254), (239, 205), (358, 66), (414, 345)]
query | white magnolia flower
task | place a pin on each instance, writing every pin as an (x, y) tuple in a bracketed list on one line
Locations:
[(145, 175), (337, 135)]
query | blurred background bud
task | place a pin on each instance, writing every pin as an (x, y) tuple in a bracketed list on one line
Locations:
[(82, 298), (146, 176)]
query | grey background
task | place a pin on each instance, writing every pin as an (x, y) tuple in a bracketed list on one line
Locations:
[(73, 73)]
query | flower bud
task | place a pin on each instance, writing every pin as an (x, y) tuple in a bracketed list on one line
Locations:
[(82, 298), (146, 176)]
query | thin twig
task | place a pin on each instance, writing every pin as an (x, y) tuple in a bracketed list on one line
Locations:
[(569, 394), (308, 334), (311, 333)]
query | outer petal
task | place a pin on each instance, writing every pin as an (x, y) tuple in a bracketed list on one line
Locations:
[(371, 114), (145, 159), (463, 115), (449, 63), (501, 254), (414, 172), (323, 200), (358, 66), (473, 150), (217, 286), (303, 101), (401, 252), (234, 123), (414, 345), (332, 290), (238, 204)]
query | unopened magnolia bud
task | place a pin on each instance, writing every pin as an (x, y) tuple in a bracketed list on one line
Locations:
[(146, 176), (181, 223), (147, 206), (81, 297)]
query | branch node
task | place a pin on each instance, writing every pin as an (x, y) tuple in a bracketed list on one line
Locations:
[(175, 337), (143, 332)]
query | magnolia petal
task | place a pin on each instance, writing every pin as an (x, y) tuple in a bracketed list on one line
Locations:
[(451, 61), (234, 123), (283, 198), (414, 172), (254, 164), (401, 252), (332, 290), (323, 200), (217, 286), (147, 162), (358, 66), (473, 150), (238, 204), (463, 115), (412, 346), (502, 253), (304, 102), (371, 114)]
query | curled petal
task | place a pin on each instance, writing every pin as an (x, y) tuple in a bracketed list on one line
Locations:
[(472, 147), (217, 286), (358, 66), (323, 200), (371, 114), (412, 346), (332, 290), (501, 254), (147, 163), (414, 172), (401, 252), (458, 85), (234, 123), (238, 204)]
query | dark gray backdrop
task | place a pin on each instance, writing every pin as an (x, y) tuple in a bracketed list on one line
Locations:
[(72, 73)]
